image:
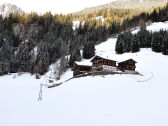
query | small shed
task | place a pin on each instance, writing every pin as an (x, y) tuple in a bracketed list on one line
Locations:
[(127, 65), (79, 68)]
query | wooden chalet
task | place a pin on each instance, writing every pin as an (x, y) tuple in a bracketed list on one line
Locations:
[(80, 69), (99, 61), (127, 65), (103, 64), (100, 64)]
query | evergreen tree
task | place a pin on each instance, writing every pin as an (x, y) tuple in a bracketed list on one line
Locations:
[(62, 67), (88, 50), (76, 56), (148, 39), (135, 47), (145, 38), (165, 46), (119, 44), (124, 24), (4, 67), (71, 60), (127, 41), (156, 43)]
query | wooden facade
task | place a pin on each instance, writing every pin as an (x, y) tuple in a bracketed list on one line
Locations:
[(80, 69), (127, 65), (99, 61), (101, 64)]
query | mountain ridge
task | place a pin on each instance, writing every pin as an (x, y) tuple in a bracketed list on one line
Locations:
[(123, 4), (7, 8)]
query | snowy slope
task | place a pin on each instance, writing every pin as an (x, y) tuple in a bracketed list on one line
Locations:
[(112, 100), (155, 27)]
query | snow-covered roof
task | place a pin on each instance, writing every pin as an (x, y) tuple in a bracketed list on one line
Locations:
[(89, 63), (115, 58), (102, 58), (128, 60), (84, 63)]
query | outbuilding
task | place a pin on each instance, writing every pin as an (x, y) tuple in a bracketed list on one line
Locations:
[(127, 65), (81, 68)]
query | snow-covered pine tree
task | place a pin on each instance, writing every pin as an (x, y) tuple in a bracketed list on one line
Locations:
[(119, 44), (157, 42), (89, 50), (135, 47), (165, 45), (127, 41)]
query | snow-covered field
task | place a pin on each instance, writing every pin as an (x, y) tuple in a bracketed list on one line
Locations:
[(155, 27), (112, 100)]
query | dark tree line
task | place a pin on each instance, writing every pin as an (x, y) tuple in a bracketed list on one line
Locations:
[(128, 42), (30, 43)]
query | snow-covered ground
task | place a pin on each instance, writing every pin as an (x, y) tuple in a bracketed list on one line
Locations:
[(154, 27), (112, 100), (77, 23)]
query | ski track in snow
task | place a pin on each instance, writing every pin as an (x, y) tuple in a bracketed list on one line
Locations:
[(117, 100)]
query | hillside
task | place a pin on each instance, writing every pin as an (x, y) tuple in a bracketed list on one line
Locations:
[(124, 4), (7, 8), (119, 100)]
